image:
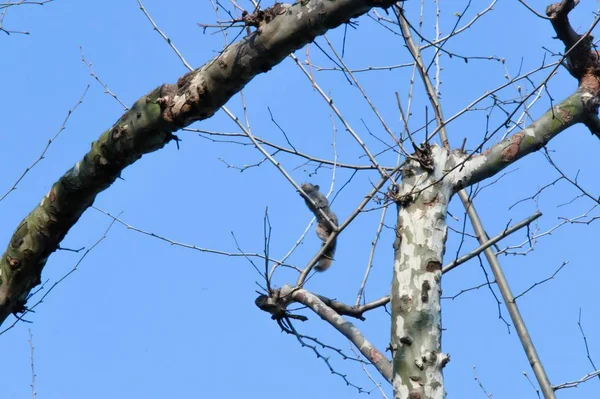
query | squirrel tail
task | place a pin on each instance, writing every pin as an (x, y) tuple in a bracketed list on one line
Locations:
[(327, 258)]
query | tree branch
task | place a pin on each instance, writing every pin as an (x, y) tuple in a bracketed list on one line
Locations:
[(570, 111), (378, 359), (573, 110), (559, 17), (148, 127), (490, 242), (355, 311)]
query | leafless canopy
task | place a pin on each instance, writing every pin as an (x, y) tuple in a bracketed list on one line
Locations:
[(415, 170)]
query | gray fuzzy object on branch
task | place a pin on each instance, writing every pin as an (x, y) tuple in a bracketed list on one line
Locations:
[(319, 206)]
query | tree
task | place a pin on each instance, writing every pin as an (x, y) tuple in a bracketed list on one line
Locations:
[(407, 172)]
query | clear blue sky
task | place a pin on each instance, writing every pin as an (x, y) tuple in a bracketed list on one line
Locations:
[(143, 319)]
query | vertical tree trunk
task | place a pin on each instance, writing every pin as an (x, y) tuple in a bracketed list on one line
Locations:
[(416, 313)]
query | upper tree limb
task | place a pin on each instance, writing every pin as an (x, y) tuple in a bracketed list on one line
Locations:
[(147, 127), (581, 107), (570, 111)]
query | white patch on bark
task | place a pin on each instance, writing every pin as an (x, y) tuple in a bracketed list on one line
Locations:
[(76, 168), (417, 272), (197, 81), (400, 391), (466, 169)]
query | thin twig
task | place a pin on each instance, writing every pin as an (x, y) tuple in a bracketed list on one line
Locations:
[(371, 256), (32, 349), (369, 376), (184, 245), (587, 348), (491, 242), (542, 281), (160, 32), (341, 228), (501, 281), (52, 139), (489, 395), (574, 384), (31, 309), (93, 74)]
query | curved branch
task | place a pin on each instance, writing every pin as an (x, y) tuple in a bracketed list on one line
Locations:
[(378, 359), (148, 126)]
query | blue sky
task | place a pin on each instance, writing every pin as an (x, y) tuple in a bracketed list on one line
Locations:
[(143, 319)]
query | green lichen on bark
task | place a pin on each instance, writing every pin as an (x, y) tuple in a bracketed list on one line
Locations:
[(139, 131), (148, 126)]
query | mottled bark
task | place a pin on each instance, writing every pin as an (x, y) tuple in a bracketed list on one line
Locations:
[(349, 330), (423, 195), (569, 112), (423, 200), (148, 126), (140, 130)]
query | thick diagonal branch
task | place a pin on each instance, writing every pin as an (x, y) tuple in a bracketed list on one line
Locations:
[(148, 126)]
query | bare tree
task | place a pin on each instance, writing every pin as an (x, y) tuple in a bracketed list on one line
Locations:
[(417, 169)]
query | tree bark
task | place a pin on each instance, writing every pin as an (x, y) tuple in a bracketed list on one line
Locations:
[(572, 110), (148, 126), (378, 359), (423, 200)]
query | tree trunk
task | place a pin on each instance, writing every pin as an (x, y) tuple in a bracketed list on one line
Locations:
[(423, 199)]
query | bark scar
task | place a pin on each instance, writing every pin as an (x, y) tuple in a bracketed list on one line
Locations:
[(510, 152), (425, 288)]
